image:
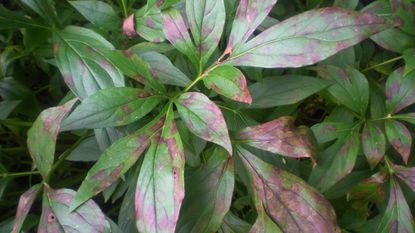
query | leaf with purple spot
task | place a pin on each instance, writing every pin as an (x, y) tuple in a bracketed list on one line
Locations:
[(406, 174), (41, 137), (204, 118), (374, 144), (230, 82), (212, 184), (148, 24), (206, 20), (289, 202), (279, 136), (307, 38), (25, 203), (160, 184), (400, 91), (399, 137)]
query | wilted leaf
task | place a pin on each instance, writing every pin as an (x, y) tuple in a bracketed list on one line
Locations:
[(98, 13), (399, 137), (212, 185), (307, 38), (160, 185), (400, 91), (41, 138), (289, 202), (204, 118), (230, 82), (279, 136), (284, 90), (111, 107), (374, 144), (25, 203)]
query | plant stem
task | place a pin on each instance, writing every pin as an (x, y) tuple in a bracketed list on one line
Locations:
[(383, 63), (200, 77), (13, 149), (17, 174), (16, 122), (124, 8)]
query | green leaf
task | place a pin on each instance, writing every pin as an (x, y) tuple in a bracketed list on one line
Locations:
[(204, 118), (228, 81), (287, 201), (249, 15), (45, 8), (13, 20), (208, 195), (406, 174), (148, 24), (284, 90), (25, 203), (57, 216), (84, 68), (115, 162), (98, 13), (88, 150), (160, 185), (111, 107), (399, 137), (400, 91), (373, 143), (404, 13), (348, 4), (279, 136), (41, 137), (409, 57), (7, 107), (307, 38), (176, 32), (206, 20), (408, 117), (233, 224), (397, 217)]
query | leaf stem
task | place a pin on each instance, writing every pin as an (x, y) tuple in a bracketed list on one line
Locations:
[(382, 63), (18, 174), (124, 8), (200, 77)]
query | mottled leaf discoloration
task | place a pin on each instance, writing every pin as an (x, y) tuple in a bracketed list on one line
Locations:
[(400, 91), (374, 144), (399, 137), (25, 203), (406, 174)]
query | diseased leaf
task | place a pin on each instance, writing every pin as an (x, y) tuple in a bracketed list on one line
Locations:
[(84, 68), (176, 32), (408, 117), (374, 144), (41, 137), (7, 107), (249, 15), (371, 189), (116, 161), (406, 174), (111, 107), (289, 202), (160, 185), (206, 20), (284, 90), (351, 87), (404, 12), (307, 38), (400, 91), (397, 217), (230, 82), (148, 24), (399, 137), (208, 195), (25, 203), (57, 217), (204, 118), (98, 13), (279, 136)]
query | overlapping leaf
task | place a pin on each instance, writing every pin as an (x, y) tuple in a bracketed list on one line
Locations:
[(41, 138), (204, 118), (279, 136), (400, 91), (25, 203), (406, 174), (374, 144), (98, 13), (399, 137)]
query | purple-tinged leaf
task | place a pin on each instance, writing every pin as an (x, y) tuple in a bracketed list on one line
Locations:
[(288, 201), (249, 15), (41, 138), (400, 91), (206, 20), (397, 217), (111, 107), (307, 38), (25, 203), (374, 144), (406, 174), (204, 118), (176, 32), (230, 82), (148, 24), (407, 117), (84, 68), (404, 13), (160, 185), (279, 136), (399, 137), (116, 161), (57, 217), (371, 189), (350, 87), (128, 26), (212, 184)]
